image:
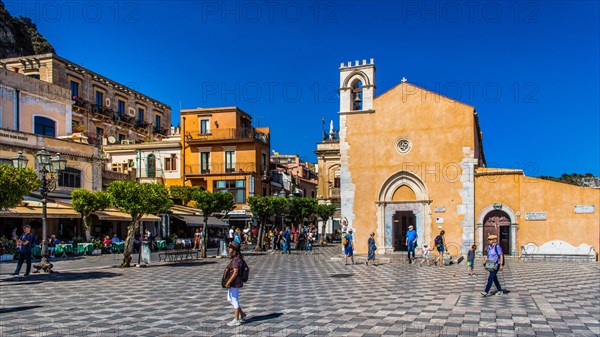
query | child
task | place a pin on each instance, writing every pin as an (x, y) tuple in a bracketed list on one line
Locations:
[(471, 260), (425, 255)]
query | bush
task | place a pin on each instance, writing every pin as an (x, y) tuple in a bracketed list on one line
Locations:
[(8, 246)]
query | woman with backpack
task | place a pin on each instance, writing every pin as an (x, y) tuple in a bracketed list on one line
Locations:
[(233, 281), (493, 264), (440, 246)]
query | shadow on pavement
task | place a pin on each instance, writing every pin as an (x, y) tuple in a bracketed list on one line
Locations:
[(263, 317), (61, 277), (341, 275), (186, 264), (17, 309)]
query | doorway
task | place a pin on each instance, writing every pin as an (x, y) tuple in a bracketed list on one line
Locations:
[(497, 223), (401, 220)]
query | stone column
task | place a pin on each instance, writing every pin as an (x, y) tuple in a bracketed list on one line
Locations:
[(514, 248), (479, 239)]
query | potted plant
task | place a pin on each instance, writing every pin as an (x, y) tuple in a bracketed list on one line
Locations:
[(8, 249)]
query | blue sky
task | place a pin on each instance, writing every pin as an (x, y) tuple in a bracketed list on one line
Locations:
[(530, 68)]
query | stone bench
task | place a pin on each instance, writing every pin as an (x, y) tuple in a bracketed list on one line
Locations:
[(558, 250), (178, 255)]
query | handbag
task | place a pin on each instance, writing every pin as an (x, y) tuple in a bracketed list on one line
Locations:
[(226, 276), (490, 265)]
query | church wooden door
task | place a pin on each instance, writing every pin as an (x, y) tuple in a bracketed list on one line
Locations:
[(497, 223)]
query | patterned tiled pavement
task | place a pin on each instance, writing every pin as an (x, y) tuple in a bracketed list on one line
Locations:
[(300, 295)]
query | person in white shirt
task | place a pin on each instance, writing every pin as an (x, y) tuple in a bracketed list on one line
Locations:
[(230, 235)]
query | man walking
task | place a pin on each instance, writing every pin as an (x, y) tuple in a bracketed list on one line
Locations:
[(287, 238), (493, 264), (411, 242), (26, 242)]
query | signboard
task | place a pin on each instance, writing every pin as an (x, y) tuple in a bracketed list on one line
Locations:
[(440, 209), (535, 216), (439, 220), (145, 252), (237, 212), (584, 209)]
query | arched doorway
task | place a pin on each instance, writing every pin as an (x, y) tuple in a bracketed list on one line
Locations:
[(497, 223), (403, 201), (151, 166)]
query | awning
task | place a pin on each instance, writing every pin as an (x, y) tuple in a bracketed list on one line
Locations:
[(36, 212), (197, 220), (120, 216)]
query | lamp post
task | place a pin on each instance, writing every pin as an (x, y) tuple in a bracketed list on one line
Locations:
[(49, 169), (20, 161)]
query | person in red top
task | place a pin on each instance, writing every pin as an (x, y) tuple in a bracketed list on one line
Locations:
[(107, 244), (233, 282)]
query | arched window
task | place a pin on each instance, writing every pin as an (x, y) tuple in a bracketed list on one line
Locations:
[(70, 177), (151, 166), (357, 95), (44, 126)]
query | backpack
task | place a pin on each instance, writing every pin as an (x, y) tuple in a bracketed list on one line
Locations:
[(245, 272), (344, 241), (438, 240)]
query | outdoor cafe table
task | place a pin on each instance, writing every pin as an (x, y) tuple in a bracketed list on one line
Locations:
[(118, 246), (85, 247), (161, 244), (63, 248)]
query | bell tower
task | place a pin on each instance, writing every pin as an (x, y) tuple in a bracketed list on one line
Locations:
[(357, 86), (357, 91)]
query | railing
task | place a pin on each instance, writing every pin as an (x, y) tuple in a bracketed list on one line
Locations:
[(221, 168), (231, 133)]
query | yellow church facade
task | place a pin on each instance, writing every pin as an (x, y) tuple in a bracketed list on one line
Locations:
[(413, 157)]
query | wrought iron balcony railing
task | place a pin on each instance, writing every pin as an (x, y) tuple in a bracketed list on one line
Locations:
[(227, 133), (221, 168)]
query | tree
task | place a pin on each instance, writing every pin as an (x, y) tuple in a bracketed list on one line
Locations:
[(137, 200), (280, 206), (86, 202), (15, 183), (184, 193), (263, 208), (209, 203), (300, 208), (325, 212)]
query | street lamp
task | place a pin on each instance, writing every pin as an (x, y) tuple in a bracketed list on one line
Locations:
[(49, 169), (20, 161)]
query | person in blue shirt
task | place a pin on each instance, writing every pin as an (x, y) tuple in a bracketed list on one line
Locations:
[(26, 241), (287, 237), (494, 253), (349, 247), (115, 239), (411, 242)]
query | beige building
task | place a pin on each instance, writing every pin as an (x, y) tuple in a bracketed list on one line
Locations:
[(413, 157), (105, 111), (328, 163)]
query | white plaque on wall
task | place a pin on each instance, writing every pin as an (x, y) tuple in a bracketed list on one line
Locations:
[(584, 209), (535, 216), (439, 220), (440, 209)]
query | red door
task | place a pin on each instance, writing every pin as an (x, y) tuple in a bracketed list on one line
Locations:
[(496, 223)]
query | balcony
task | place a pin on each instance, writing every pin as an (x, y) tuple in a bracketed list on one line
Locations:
[(196, 136), (221, 169), (142, 124)]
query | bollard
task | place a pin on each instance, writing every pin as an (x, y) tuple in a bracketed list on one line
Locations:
[(223, 248)]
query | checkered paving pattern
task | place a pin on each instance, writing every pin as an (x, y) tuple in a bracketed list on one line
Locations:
[(301, 295)]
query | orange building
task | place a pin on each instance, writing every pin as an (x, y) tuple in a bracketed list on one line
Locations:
[(222, 151), (413, 157)]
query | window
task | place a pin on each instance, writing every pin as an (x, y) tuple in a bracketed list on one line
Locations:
[(171, 163), (70, 177), (121, 107), (336, 182), (205, 162), (121, 137), (263, 168), (74, 89), (6, 161), (140, 116), (44, 126), (151, 166), (229, 161), (237, 188), (157, 122), (99, 98), (99, 132), (34, 76), (204, 126)]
